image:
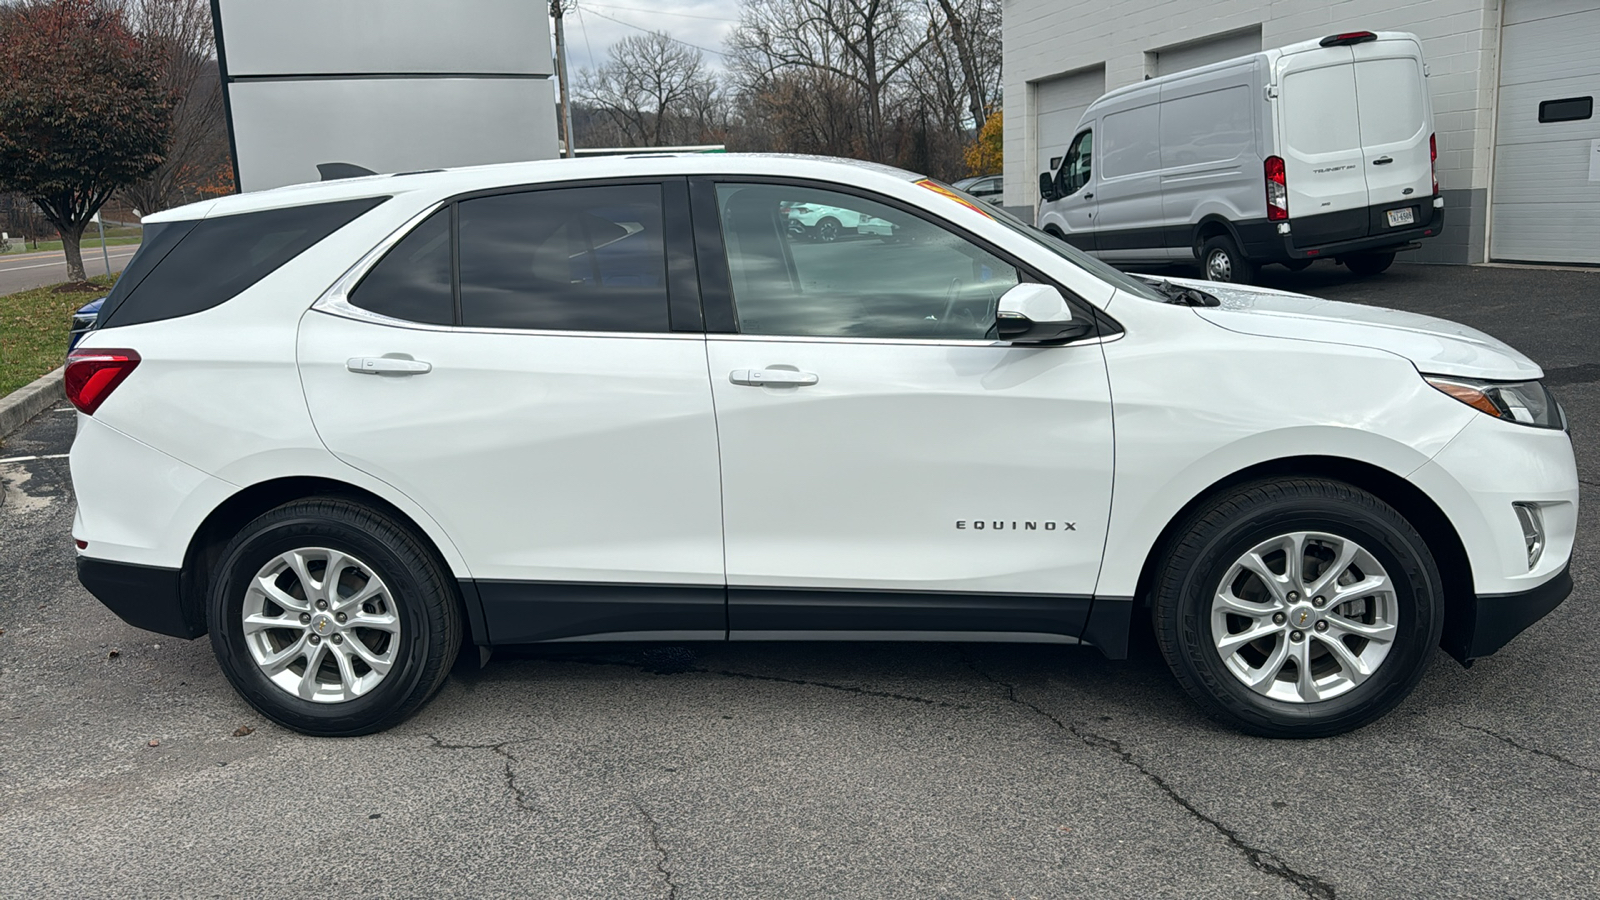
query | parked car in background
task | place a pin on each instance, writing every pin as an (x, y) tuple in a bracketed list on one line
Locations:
[(1319, 150), (988, 188), (82, 321), (347, 429), (829, 223)]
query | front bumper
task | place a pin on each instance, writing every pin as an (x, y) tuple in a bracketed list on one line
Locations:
[(147, 597), (1492, 620)]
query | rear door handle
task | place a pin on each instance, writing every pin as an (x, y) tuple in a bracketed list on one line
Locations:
[(387, 365), (771, 378), (1383, 161)]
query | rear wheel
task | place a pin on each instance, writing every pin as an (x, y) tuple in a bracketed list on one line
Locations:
[(1221, 260), (828, 230), (1365, 264), (331, 619), (1299, 608)]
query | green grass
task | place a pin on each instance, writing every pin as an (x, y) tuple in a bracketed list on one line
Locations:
[(33, 331)]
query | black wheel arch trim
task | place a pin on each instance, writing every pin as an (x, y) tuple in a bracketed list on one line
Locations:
[(1494, 619)]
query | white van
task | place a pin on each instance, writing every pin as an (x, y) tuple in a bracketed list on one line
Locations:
[(1318, 150)]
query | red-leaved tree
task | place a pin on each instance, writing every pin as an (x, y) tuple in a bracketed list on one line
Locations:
[(83, 110)]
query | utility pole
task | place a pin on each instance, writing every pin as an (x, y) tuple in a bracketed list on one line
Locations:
[(556, 9)]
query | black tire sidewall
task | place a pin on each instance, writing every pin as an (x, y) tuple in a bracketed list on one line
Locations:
[(1419, 609), (284, 530)]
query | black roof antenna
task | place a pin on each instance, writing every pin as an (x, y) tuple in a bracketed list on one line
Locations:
[(333, 171)]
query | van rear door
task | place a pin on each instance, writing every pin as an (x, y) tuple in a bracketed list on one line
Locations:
[(1396, 124), (1320, 137)]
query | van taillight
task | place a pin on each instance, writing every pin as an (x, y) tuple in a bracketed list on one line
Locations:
[(92, 375), (1433, 162), (1277, 190)]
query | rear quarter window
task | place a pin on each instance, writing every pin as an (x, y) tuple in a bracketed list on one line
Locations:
[(211, 261)]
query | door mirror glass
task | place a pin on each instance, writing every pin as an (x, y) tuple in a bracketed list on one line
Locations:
[(1047, 187), (1038, 314)]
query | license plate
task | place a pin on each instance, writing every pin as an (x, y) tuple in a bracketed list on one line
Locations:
[(1398, 217)]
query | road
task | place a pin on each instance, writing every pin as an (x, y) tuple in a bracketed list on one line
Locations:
[(19, 272), (805, 770)]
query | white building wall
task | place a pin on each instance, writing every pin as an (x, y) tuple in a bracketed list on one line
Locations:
[(1460, 41)]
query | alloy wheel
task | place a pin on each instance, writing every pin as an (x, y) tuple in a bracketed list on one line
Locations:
[(1304, 617)]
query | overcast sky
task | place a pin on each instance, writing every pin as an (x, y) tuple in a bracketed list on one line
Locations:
[(597, 24)]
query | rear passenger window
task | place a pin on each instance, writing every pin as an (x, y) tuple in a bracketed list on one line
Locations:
[(220, 258), (412, 281), (570, 259)]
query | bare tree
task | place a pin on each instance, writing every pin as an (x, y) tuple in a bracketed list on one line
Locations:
[(866, 44), (971, 31), (655, 91), (180, 32)]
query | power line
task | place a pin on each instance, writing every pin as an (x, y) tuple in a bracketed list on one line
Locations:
[(652, 31), (662, 12)]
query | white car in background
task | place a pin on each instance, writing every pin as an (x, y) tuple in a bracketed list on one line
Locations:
[(350, 429), (829, 223)]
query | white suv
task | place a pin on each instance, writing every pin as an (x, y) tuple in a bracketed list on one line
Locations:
[(349, 428)]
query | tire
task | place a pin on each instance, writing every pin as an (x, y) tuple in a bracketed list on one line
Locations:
[(1297, 265), (408, 623), (828, 230), (1208, 559), (1368, 264), (1221, 261)]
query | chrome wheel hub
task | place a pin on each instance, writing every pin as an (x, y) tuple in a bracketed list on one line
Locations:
[(1304, 617), (1219, 267), (321, 625)]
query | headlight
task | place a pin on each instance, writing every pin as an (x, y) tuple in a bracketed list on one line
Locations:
[(1523, 402)]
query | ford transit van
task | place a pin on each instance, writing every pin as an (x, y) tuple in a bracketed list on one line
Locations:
[(1319, 150)]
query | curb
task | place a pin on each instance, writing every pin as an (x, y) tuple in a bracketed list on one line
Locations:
[(22, 404)]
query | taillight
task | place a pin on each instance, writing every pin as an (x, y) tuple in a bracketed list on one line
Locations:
[(1433, 162), (92, 375), (1277, 190)]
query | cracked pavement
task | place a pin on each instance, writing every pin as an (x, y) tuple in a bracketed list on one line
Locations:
[(805, 770)]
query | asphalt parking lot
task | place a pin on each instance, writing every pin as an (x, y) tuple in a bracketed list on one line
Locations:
[(128, 765)]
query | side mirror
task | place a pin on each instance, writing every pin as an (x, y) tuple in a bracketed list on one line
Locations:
[(1047, 187), (1038, 314)]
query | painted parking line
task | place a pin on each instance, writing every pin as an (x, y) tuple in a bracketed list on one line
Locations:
[(21, 459)]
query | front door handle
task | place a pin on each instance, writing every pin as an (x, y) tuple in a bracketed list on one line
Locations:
[(772, 378), (387, 365), (1089, 196)]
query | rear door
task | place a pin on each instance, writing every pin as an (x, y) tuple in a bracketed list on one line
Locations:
[(539, 387), (1396, 125), (1320, 137)]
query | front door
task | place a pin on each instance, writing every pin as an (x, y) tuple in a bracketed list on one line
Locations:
[(887, 465), (540, 405)]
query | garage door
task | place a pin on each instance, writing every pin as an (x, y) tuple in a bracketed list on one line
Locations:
[(1546, 196), (1059, 104)]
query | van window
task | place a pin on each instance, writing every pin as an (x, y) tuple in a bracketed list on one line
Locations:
[(1130, 142), (1319, 110), (1077, 166), (1390, 94), (1215, 126)]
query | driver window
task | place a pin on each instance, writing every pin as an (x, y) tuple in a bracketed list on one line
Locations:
[(814, 263), (1075, 168)]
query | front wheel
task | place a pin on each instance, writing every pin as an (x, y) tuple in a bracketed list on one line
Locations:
[(331, 619), (1298, 608), (828, 230)]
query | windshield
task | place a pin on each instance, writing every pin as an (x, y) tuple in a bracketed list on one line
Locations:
[(1061, 248)]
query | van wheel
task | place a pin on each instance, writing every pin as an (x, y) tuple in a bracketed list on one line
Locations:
[(1365, 264), (1297, 265), (1221, 260), (1298, 608), (331, 619)]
